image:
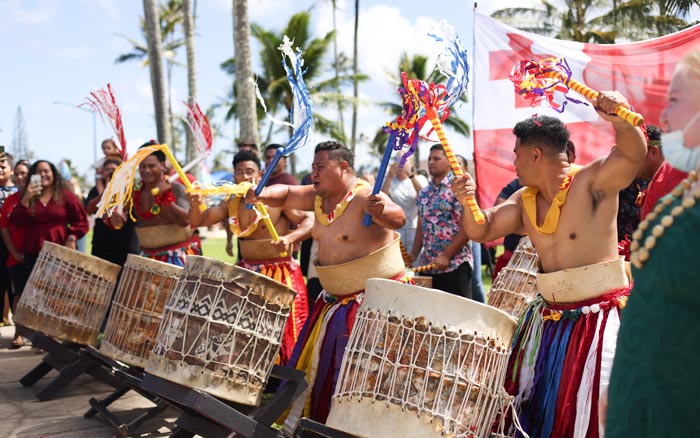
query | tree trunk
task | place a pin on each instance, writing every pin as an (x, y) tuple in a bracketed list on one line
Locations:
[(355, 88), (337, 69), (188, 24), (155, 62), (245, 89)]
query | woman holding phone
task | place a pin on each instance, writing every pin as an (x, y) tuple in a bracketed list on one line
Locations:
[(50, 212)]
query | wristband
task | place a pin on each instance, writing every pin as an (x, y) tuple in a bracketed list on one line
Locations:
[(411, 176)]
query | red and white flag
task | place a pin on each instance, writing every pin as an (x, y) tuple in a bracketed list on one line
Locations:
[(641, 71)]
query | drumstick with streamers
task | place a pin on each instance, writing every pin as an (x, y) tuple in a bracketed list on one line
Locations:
[(400, 132), (104, 103), (203, 139), (117, 196), (547, 78), (301, 115), (437, 99), (239, 190)]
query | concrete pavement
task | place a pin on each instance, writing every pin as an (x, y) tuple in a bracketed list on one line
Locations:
[(23, 416)]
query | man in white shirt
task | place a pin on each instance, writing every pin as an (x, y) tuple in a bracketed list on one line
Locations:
[(402, 184)]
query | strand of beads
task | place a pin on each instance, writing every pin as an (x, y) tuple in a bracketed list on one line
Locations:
[(640, 253)]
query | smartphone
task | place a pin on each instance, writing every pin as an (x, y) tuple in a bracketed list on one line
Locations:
[(35, 180)]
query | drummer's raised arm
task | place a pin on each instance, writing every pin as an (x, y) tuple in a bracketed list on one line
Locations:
[(282, 195), (501, 220)]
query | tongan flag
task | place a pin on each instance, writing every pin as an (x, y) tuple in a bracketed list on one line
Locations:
[(641, 71)]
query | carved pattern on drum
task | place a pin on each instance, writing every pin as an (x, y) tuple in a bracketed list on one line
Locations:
[(516, 285), (221, 335), (451, 378), (67, 294), (137, 310)]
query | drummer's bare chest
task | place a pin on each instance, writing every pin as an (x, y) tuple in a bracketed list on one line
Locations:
[(347, 228)]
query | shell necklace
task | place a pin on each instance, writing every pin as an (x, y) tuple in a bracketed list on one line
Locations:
[(640, 253)]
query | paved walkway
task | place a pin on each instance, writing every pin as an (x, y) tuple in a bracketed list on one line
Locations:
[(23, 416)]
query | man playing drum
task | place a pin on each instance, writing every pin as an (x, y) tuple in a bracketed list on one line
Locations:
[(348, 254), (163, 227), (257, 251), (564, 345)]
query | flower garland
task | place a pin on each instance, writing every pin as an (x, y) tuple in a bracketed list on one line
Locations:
[(162, 199), (326, 219), (551, 221), (640, 253), (235, 224)]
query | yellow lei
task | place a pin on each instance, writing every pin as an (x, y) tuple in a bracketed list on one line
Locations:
[(326, 219), (233, 222), (551, 221)]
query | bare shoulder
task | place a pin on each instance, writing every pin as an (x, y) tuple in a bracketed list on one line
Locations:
[(178, 189)]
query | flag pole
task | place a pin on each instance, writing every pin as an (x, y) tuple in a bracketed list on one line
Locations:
[(472, 82)]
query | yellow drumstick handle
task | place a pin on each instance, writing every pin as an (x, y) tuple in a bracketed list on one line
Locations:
[(423, 268), (270, 226), (452, 158), (404, 254), (176, 166), (635, 119)]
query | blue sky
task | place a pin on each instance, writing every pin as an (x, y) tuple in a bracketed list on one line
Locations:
[(56, 51)]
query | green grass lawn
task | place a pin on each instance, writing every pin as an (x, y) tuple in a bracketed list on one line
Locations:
[(215, 248)]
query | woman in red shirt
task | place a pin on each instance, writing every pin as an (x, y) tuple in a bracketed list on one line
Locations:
[(13, 237), (50, 212)]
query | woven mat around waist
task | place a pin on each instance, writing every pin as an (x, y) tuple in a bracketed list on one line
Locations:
[(578, 284)]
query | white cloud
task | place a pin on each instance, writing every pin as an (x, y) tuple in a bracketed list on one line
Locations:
[(28, 13)]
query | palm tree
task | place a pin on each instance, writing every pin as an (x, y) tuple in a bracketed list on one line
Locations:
[(188, 26), (644, 19), (416, 67), (355, 70), (273, 83), (572, 23), (600, 21), (155, 57), (245, 87), (170, 16), (336, 65)]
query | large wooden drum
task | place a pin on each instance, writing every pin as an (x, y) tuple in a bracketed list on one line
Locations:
[(144, 289), (67, 294), (516, 285), (422, 363), (221, 330)]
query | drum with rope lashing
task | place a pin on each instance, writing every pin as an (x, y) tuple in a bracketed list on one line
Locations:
[(421, 362), (144, 289), (67, 294), (516, 285), (221, 330)]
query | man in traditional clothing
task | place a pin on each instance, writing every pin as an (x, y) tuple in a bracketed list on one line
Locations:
[(564, 345), (163, 225), (257, 251), (348, 254)]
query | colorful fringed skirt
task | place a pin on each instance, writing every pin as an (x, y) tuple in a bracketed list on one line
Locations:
[(319, 350), (175, 254), (563, 350), (287, 271)]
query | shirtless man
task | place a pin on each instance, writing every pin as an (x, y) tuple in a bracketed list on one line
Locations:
[(565, 343), (348, 254), (257, 251), (163, 226)]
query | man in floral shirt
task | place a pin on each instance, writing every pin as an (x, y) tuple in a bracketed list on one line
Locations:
[(439, 232)]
